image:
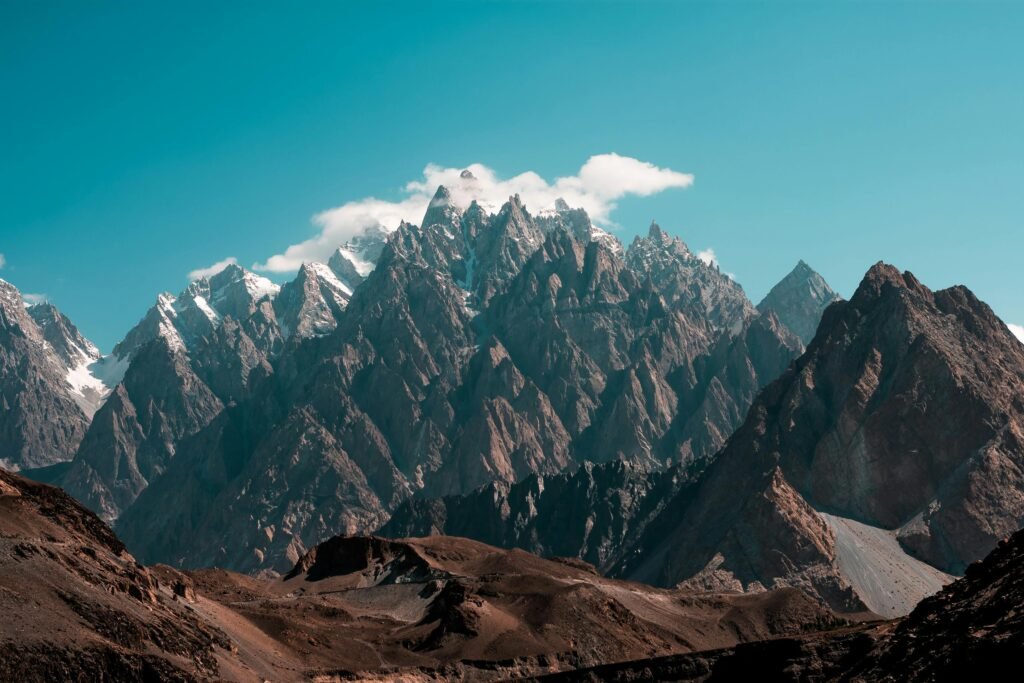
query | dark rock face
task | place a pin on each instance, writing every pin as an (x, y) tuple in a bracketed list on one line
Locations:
[(591, 513), (905, 414), (972, 629), (41, 423), (799, 300)]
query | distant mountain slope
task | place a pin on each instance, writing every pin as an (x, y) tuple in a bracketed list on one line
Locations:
[(799, 300), (591, 513), (41, 416)]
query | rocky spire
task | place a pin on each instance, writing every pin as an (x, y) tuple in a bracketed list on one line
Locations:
[(799, 300)]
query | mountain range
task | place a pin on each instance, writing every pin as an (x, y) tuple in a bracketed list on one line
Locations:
[(493, 389)]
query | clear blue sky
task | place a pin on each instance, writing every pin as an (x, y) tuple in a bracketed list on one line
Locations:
[(140, 142)]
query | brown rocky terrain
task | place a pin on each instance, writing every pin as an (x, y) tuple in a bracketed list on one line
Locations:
[(972, 630), (904, 415), (78, 607)]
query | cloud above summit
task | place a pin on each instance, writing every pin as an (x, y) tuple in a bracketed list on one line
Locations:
[(596, 187), (211, 270)]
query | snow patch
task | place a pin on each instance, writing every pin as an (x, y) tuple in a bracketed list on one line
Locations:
[(259, 286), (358, 260), (204, 306), (327, 276)]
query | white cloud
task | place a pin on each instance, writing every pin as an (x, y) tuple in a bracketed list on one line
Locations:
[(599, 184), (212, 270), (708, 256), (1018, 330), (3, 260), (33, 299)]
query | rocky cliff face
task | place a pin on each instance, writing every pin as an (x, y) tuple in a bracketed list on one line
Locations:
[(79, 356), (698, 289), (904, 414), (480, 348), (799, 300), (591, 513), (41, 422)]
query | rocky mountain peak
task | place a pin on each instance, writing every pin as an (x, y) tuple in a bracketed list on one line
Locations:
[(40, 421), (442, 210), (62, 335), (13, 314), (311, 304), (900, 427), (698, 289), (882, 277), (799, 300), (353, 261), (656, 233)]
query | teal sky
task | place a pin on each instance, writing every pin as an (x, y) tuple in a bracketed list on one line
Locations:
[(141, 141)]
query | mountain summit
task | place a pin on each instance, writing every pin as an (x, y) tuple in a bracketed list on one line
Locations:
[(799, 300), (895, 439)]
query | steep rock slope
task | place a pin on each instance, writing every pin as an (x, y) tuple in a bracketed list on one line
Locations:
[(79, 356), (591, 513), (41, 422), (904, 414), (686, 282), (457, 362), (134, 436), (799, 300), (78, 607)]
